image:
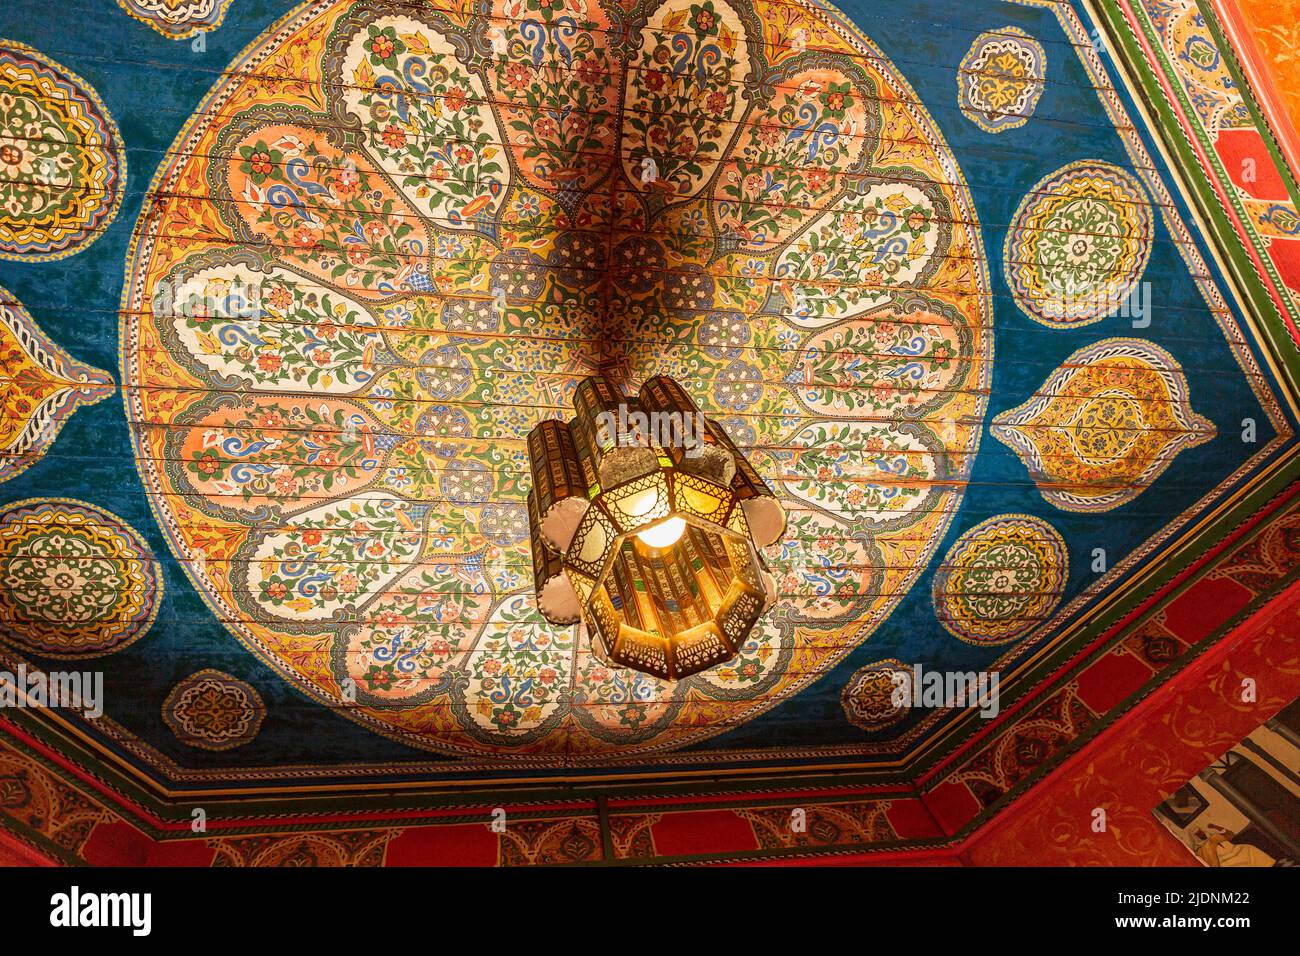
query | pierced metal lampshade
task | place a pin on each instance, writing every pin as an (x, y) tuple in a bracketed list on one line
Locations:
[(646, 522)]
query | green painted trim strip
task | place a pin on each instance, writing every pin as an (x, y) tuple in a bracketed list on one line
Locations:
[(1233, 64), (39, 841), (1172, 134)]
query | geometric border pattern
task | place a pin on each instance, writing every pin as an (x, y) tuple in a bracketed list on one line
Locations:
[(62, 817)]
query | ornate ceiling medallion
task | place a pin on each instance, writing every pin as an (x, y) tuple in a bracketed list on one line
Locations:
[(645, 522), (62, 164), (352, 377), (1001, 79)]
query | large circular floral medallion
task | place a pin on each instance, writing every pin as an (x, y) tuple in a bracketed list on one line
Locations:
[(1001, 579), (62, 165), (431, 225), (75, 581), (1078, 244)]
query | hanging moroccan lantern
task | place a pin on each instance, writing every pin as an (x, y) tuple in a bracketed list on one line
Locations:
[(646, 524)]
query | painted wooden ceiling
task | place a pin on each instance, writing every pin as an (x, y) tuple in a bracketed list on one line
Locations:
[(928, 263)]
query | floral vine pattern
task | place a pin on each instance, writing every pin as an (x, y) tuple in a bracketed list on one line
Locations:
[(430, 225)]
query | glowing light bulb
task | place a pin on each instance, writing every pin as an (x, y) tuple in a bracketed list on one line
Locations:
[(663, 535)]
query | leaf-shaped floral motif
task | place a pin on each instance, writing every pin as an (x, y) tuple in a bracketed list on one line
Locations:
[(682, 98), (333, 557), (427, 121), (320, 208), (271, 331), (795, 156)]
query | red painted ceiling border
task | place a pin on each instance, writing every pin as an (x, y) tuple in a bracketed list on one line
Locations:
[(1141, 839), (1263, 83), (1128, 793), (14, 852), (1203, 687), (1279, 296), (1050, 683)]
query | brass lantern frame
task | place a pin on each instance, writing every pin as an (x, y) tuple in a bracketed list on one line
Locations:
[(670, 611)]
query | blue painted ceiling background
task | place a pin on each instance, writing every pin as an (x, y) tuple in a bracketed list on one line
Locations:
[(151, 85)]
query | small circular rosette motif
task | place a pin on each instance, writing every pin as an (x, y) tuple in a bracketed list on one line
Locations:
[(1001, 579), (177, 19), (407, 262), (1078, 244), (75, 581), (871, 699), (1001, 78), (212, 710), (62, 164)]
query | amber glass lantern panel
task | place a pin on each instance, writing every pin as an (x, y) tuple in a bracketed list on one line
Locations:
[(678, 610)]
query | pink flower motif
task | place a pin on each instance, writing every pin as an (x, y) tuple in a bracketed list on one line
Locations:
[(454, 99), (517, 76), (590, 71), (280, 297)]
